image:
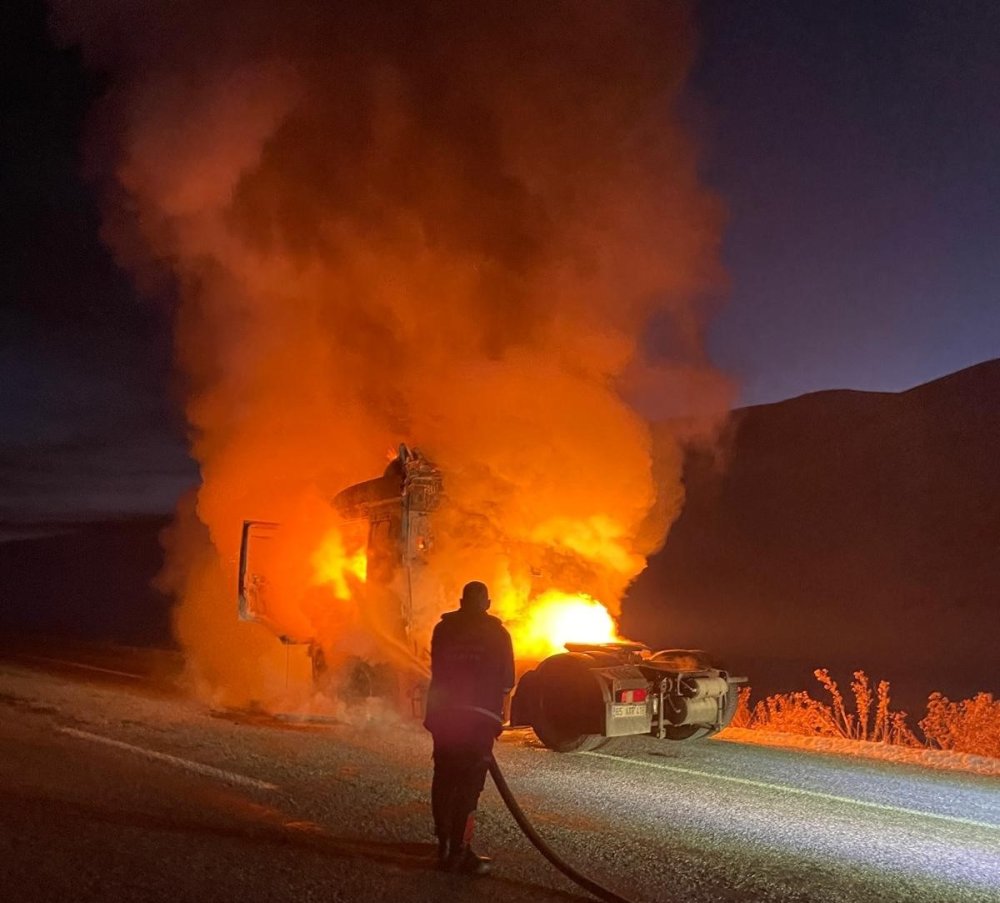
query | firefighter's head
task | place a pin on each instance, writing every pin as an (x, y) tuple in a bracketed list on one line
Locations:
[(475, 596)]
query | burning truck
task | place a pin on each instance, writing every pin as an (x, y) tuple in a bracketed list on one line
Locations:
[(573, 700)]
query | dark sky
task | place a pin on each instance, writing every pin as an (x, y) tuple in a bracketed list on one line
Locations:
[(89, 426), (856, 145)]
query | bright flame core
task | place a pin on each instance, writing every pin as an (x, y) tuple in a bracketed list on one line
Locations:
[(556, 618), (334, 566)]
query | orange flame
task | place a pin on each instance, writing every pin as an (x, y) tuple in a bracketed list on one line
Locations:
[(555, 618), (333, 565)]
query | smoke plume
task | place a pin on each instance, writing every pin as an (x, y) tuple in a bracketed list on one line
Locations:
[(455, 225)]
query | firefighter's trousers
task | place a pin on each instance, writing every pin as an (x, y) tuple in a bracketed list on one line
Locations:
[(461, 758)]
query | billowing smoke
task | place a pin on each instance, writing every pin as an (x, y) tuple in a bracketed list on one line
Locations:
[(441, 223)]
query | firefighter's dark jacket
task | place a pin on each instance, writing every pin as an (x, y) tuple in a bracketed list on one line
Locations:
[(472, 669)]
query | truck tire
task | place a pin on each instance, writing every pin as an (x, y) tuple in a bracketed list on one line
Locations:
[(729, 709), (563, 744), (613, 746), (568, 704), (524, 701), (685, 733)]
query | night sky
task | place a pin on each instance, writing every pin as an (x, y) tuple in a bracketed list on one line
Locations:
[(90, 420), (854, 143)]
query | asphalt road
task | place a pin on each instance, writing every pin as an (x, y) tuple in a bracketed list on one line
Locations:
[(113, 787)]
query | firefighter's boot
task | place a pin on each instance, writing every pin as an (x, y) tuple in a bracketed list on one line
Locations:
[(465, 861), (461, 857), (443, 853)]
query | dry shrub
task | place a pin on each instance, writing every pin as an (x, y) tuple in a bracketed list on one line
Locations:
[(799, 713), (886, 726), (794, 713), (969, 726)]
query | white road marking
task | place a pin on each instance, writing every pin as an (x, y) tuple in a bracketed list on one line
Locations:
[(230, 777), (818, 794), (59, 661)]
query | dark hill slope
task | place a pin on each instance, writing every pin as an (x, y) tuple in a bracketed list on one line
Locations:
[(842, 529), (90, 581)]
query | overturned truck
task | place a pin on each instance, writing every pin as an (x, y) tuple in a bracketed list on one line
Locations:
[(573, 701)]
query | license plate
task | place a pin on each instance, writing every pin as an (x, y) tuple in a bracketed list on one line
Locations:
[(628, 710)]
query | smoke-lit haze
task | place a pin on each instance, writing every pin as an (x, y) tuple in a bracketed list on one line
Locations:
[(422, 222)]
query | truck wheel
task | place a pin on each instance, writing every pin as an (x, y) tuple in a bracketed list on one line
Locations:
[(686, 732), (729, 709), (568, 704), (563, 744), (612, 746)]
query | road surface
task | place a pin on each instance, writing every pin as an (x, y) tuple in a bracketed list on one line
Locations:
[(115, 787)]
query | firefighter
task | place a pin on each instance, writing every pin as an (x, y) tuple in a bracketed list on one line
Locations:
[(472, 670)]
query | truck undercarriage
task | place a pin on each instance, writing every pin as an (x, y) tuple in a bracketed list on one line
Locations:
[(575, 700)]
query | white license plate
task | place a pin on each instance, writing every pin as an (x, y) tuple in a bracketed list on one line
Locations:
[(628, 710)]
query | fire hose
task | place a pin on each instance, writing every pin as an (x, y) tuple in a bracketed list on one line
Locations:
[(527, 828), (602, 893)]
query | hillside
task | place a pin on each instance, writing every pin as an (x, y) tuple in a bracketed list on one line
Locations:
[(89, 580), (842, 529)]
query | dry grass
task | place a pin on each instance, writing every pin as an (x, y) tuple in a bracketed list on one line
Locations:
[(868, 717), (969, 726)]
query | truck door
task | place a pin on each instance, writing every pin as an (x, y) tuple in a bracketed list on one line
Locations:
[(256, 550)]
